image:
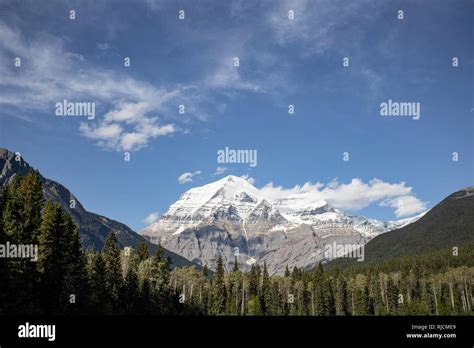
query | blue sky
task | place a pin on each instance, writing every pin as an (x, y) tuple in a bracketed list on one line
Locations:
[(190, 62)]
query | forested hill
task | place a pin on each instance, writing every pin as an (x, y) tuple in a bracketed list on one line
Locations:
[(93, 228), (449, 224)]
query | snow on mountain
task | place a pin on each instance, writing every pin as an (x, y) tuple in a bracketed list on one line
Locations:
[(231, 217)]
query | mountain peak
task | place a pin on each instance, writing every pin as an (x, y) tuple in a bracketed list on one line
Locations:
[(235, 179), (10, 165)]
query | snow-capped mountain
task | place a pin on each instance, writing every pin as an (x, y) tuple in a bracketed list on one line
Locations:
[(231, 217)]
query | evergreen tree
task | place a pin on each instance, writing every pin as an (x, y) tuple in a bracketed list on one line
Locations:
[(145, 303), (219, 290), (100, 299), (361, 296), (341, 296), (76, 278), (142, 251), (113, 270), (265, 292), (392, 298), (205, 271), (131, 293), (159, 282), (21, 222), (236, 265), (254, 280), (4, 267), (160, 278), (321, 305), (52, 259), (30, 192), (12, 211)]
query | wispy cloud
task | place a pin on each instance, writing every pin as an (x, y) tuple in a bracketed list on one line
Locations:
[(49, 73), (187, 177), (317, 24), (103, 46), (220, 170), (249, 179), (229, 77), (151, 218)]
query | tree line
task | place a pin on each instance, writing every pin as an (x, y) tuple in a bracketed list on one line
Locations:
[(66, 280)]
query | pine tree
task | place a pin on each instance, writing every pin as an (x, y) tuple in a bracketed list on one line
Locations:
[(320, 297), (30, 191), (20, 226), (341, 303), (12, 211), (219, 290), (76, 278), (142, 251), (236, 265), (159, 281), (161, 270), (296, 274), (205, 271), (100, 299), (113, 270), (4, 266), (392, 298), (131, 293), (265, 292), (145, 303), (52, 259), (254, 280), (361, 296)]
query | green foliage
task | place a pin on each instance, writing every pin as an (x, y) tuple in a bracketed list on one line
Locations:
[(113, 270), (142, 251), (219, 291), (113, 281)]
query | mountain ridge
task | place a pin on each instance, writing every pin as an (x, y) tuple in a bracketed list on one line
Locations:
[(255, 228), (93, 227), (449, 224)]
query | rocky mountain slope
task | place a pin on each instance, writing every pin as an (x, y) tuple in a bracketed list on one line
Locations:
[(231, 217), (93, 227)]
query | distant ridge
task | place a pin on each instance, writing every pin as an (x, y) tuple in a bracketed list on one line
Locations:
[(449, 224)]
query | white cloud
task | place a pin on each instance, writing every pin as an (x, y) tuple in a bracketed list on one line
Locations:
[(405, 205), (220, 170), (155, 5), (187, 177), (229, 77), (105, 132), (127, 112), (103, 46), (249, 179), (151, 218), (49, 74), (354, 196), (316, 25), (142, 128)]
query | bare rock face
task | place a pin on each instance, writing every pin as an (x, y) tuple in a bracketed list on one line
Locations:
[(232, 218)]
